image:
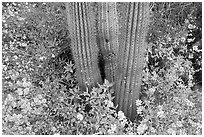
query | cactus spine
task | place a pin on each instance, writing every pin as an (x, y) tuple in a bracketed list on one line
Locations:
[(81, 24), (107, 36), (133, 27)]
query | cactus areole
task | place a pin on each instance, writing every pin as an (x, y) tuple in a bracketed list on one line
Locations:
[(118, 31)]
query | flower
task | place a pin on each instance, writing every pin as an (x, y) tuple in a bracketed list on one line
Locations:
[(36, 100), (190, 77), (113, 127), (24, 79), (130, 133), (152, 90), (26, 84), (121, 115), (160, 114), (18, 83), (190, 84), (190, 26), (26, 91), (182, 132), (189, 103), (43, 100), (123, 122), (42, 57), (160, 107), (190, 56), (195, 48), (24, 44), (107, 83), (176, 99), (153, 130), (173, 125), (109, 103), (57, 134), (4, 67), (138, 102), (15, 57), (19, 91), (80, 116), (186, 21), (141, 128), (173, 111), (10, 97), (53, 129), (179, 124), (183, 39), (39, 96), (169, 38), (110, 131), (139, 109), (171, 131)]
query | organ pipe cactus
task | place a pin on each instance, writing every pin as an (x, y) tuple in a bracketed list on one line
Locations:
[(81, 25), (118, 30), (134, 18)]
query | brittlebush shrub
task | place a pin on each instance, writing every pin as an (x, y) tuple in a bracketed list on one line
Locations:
[(52, 109), (170, 106), (171, 102)]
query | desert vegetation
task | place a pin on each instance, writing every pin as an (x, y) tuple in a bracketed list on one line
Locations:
[(101, 68)]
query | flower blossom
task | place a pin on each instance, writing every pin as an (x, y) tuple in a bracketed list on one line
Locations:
[(112, 129), (141, 128), (109, 103), (160, 114), (80, 116), (179, 124), (171, 131), (140, 109), (189, 103), (121, 115), (152, 90), (138, 102)]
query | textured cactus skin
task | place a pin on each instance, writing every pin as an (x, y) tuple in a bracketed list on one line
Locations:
[(133, 20), (107, 36), (81, 25), (120, 36)]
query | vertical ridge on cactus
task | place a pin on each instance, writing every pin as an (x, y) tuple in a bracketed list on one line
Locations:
[(131, 57), (81, 24), (107, 25)]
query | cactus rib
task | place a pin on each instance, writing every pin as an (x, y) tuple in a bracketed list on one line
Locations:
[(128, 79), (81, 24)]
